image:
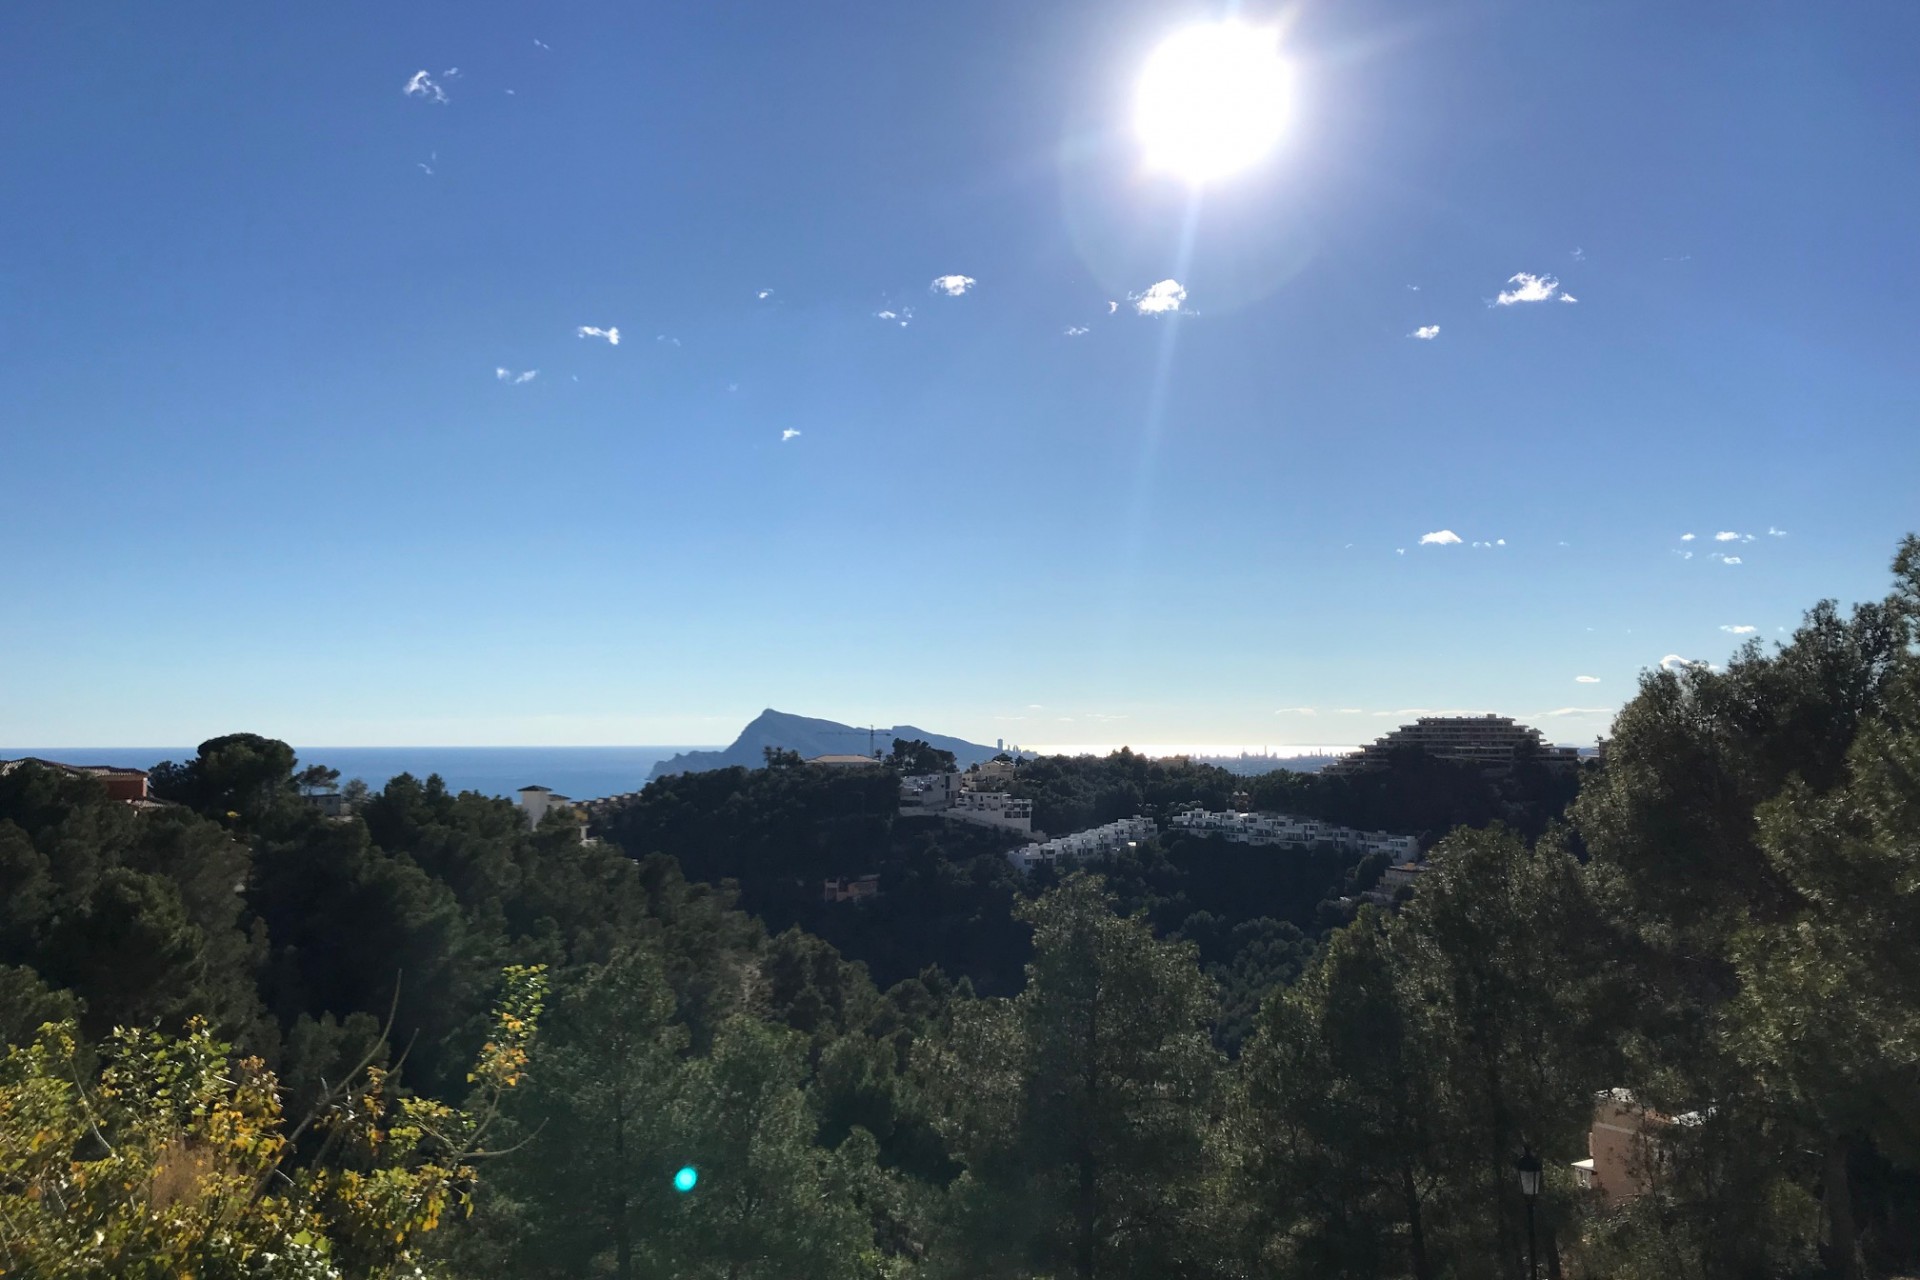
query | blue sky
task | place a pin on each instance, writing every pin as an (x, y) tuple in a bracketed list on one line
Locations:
[(260, 471)]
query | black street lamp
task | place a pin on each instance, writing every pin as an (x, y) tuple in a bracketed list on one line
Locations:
[(1528, 1167)]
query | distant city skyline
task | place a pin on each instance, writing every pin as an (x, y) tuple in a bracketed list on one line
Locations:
[(466, 374)]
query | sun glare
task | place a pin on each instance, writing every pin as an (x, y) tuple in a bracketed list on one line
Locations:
[(1212, 100)]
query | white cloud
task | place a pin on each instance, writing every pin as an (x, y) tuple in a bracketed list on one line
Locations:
[(1499, 542), (1414, 287), (422, 86), (1579, 711), (1586, 679), (508, 375), (1686, 537), (1161, 299), (1579, 255), (1439, 538), (788, 434), (1075, 330), (611, 335), (1112, 307), (1775, 533), (1674, 662), (544, 45), (1730, 560), (903, 317), (1297, 711), (1532, 288), (764, 294), (1728, 535), (1399, 551), (1348, 711), (1567, 297), (427, 168), (661, 337), (1739, 631), (952, 286), (1426, 332)]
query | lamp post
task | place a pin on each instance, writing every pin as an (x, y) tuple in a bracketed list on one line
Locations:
[(1528, 1167)]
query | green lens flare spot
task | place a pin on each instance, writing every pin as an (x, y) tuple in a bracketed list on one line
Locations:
[(684, 1180)]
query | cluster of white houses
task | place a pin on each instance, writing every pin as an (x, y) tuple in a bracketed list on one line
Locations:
[(1288, 831), (973, 796), (1092, 843)]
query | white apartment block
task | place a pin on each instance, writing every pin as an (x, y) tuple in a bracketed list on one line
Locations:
[(1084, 844), (1292, 832)]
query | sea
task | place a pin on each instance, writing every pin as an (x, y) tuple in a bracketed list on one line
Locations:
[(579, 773)]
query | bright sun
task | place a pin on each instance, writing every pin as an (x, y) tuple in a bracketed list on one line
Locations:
[(1212, 100)]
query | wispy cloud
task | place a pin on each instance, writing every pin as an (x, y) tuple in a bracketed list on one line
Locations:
[(1725, 559), (1775, 533), (952, 286), (1414, 288), (611, 335), (1529, 288), (1579, 255), (1674, 662), (1497, 542), (1686, 537), (1579, 711), (1075, 330), (423, 87), (1586, 679), (1738, 630), (788, 434), (508, 375), (1349, 711), (544, 45), (1567, 297), (1728, 535), (1439, 538), (666, 339), (903, 317), (1297, 711), (1160, 299), (1426, 332), (764, 294)]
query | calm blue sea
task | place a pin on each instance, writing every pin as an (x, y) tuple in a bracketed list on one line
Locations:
[(581, 773)]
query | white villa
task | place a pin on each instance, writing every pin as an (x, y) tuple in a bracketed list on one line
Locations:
[(949, 795)]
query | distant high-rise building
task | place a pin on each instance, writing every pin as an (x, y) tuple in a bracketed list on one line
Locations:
[(1492, 742)]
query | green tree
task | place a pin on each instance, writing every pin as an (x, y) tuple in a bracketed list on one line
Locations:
[(238, 778), (1341, 1147), (1081, 1109), (912, 755), (316, 778), (590, 1193)]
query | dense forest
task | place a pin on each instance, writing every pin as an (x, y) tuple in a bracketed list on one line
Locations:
[(246, 1039)]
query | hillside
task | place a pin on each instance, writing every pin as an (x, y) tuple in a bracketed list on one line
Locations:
[(810, 737)]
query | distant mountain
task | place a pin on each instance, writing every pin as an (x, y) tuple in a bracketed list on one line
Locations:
[(811, 738)]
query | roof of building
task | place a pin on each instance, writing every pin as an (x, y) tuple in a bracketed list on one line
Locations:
[(842, 759), (535, 788)]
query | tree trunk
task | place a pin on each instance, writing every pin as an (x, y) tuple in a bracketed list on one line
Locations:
[(1842, 1256), (1416, 1231)]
